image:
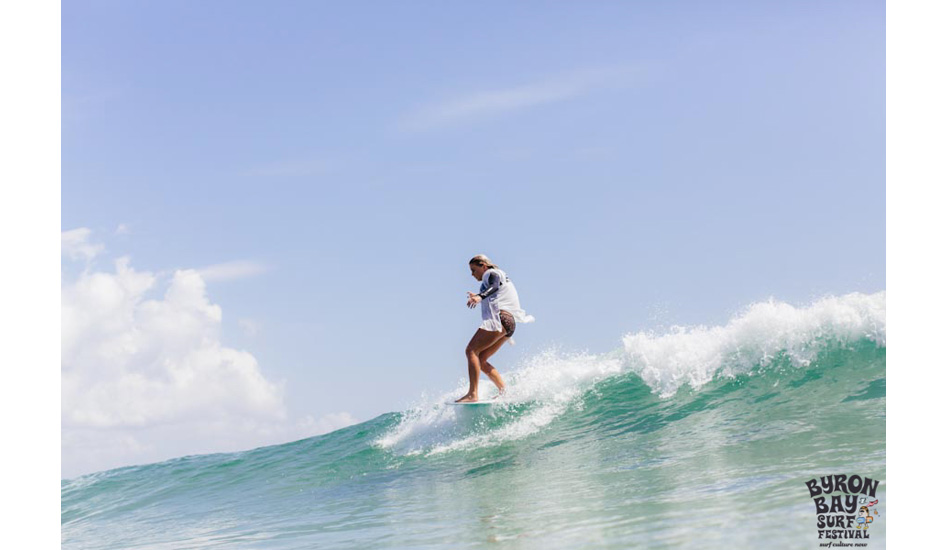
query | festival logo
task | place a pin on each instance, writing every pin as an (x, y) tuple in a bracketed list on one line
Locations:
[(847, 508)]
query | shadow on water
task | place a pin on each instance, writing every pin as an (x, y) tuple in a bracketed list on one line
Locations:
[(493, 467), (874, 390)]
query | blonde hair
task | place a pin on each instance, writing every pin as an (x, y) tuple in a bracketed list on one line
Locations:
[(482, 259)]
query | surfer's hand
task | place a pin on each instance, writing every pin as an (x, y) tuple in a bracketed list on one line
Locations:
[(473, 299)]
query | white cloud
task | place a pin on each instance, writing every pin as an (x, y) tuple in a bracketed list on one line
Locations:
[(492, 102), (75, 244), (146, 377), (122, 229), (228, 271)]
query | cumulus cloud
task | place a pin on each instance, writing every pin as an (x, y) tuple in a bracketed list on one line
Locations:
[(76, 246), (145, 376)]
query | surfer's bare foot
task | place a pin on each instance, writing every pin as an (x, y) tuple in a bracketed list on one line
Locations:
[(501, 393), (467, 398)]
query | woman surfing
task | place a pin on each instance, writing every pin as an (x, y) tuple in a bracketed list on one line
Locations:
[(501, 310)]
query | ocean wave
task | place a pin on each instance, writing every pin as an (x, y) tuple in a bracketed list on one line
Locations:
[(666, 419), (540, 391)]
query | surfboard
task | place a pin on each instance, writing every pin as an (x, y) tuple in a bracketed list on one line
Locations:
[(471, 403)]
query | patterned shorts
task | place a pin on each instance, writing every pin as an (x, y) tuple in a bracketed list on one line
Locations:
[(507, 322)]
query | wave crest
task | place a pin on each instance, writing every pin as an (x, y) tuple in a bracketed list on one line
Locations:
[(695, 355)]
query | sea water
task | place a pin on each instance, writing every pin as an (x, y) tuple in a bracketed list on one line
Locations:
[(694, 437)]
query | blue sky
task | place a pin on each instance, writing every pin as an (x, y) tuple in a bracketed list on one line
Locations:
[(329, 168)]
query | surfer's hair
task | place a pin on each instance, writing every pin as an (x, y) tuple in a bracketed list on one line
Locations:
[(482, 259)]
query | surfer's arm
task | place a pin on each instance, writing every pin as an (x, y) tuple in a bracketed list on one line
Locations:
[(493, 282)]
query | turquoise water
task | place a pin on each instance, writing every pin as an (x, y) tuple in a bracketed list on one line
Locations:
[(697, 437)]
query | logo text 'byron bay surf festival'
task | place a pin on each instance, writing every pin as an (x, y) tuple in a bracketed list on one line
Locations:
[(846, 508)]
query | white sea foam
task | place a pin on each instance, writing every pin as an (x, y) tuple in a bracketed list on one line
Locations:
[(695, 355), (549, 384)]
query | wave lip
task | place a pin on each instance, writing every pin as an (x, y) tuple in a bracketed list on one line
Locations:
[(755, 337)]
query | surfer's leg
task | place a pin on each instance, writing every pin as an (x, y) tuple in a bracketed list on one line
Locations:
[(508, 324), (487, 367), (479, 342)]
